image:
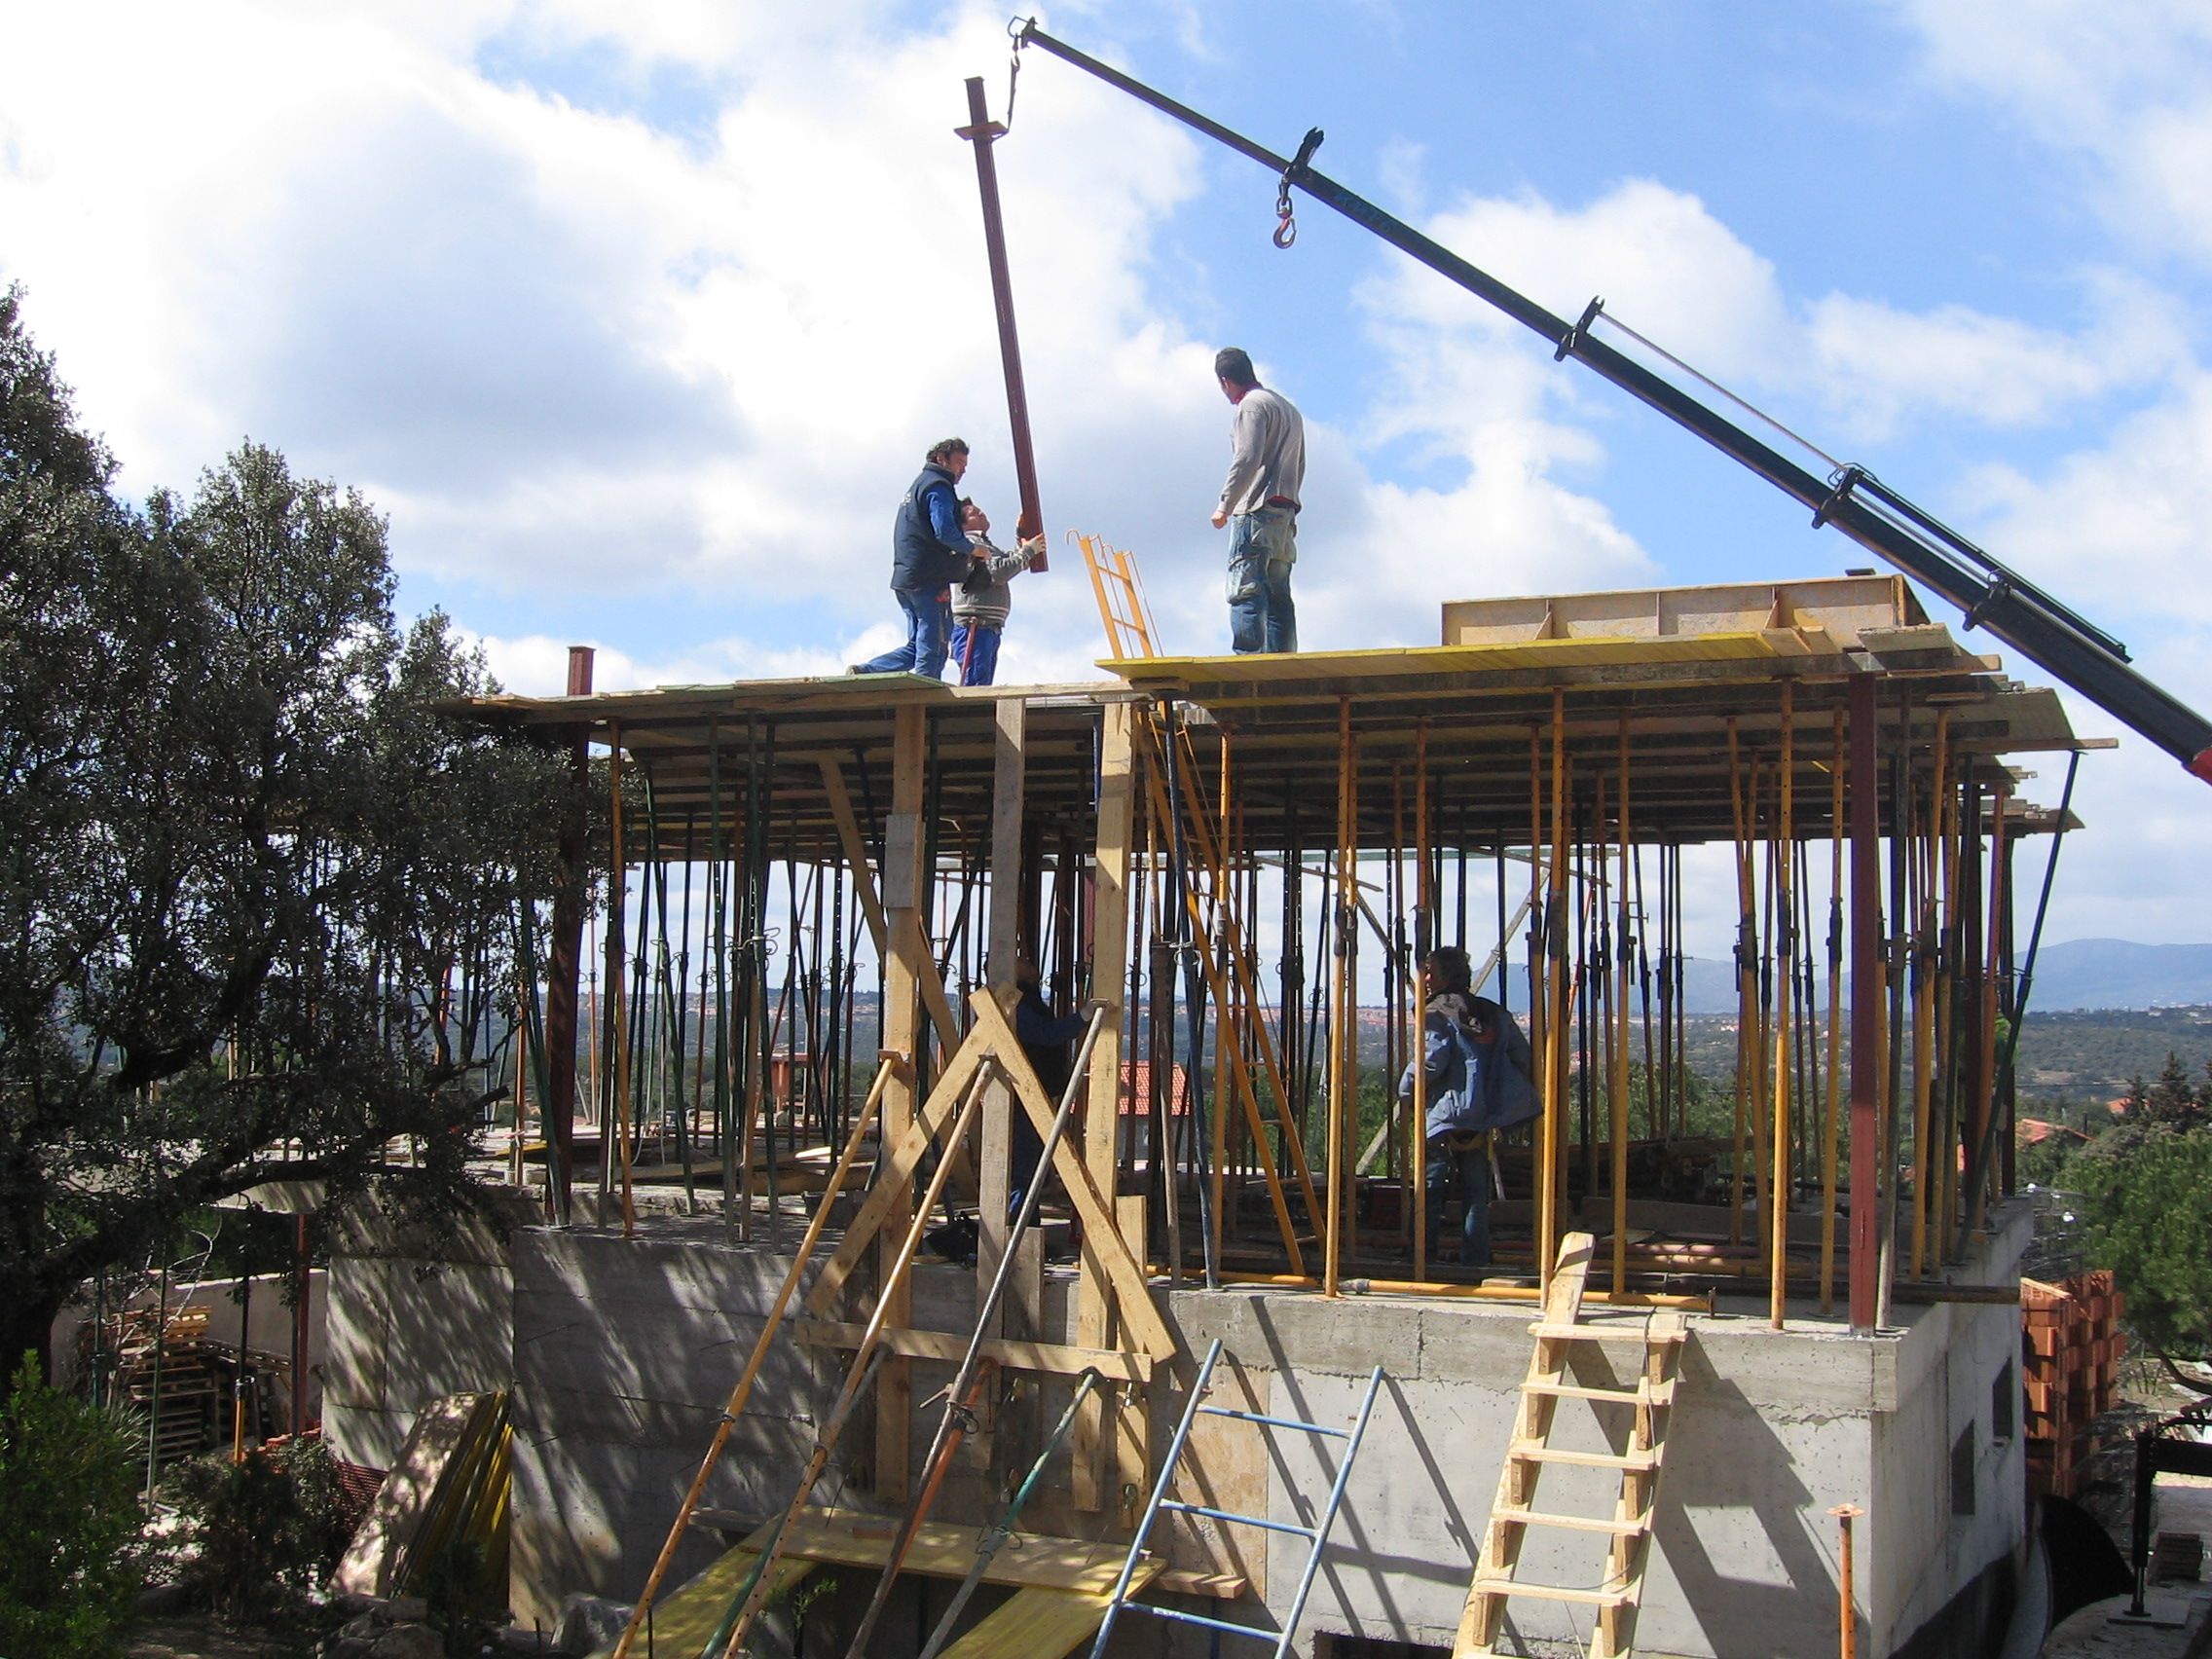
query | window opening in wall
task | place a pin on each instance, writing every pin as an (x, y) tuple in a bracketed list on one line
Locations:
[(1962, 1472), (1333, 1646), (2004, 1403)]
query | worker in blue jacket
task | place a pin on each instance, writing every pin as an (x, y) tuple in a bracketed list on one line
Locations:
[(929, 551), (1478, 1068)]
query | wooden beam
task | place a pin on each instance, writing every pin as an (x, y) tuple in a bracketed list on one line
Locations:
[(1095, 1284), (906, 963), (872, 903), (1056, 1358), (1133, 1301)]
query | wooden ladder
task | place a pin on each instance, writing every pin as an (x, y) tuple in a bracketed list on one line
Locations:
[(1559, 1330), (1120, 592)]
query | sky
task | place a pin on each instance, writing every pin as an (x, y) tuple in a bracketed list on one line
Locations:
[(636, 319)]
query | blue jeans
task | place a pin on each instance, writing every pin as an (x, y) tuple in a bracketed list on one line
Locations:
[(1262, 546), (979, 663), (929, 616), (1469, 1169)]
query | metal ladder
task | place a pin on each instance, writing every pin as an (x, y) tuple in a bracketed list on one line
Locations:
[(1317, 1535)]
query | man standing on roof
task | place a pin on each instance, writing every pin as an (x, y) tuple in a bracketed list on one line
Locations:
[(1258, 506), (929, 553)]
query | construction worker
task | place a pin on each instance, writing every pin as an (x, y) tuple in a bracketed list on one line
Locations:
[(1258, 506), (1478, 1068), (929, 553), (982, 601)]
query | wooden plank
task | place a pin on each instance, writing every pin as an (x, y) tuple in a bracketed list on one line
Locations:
[(1091, 1451), (1056, 1358), (889, 1192), (1035, 1624), (434, 1447), (843, 1537), (906, 963), (687, 1616), (871, 904), (994, 1181)]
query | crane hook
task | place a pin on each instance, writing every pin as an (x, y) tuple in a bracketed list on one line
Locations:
[(1286, 227)]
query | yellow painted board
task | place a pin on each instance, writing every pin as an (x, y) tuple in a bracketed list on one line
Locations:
[(1386, 663), (683, 1621), (1035, 1624), (846, 1537)]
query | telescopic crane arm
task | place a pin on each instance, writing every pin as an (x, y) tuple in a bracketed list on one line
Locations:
[(2061, 642)]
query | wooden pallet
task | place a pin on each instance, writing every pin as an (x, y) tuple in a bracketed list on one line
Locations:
[(1645, 1407)]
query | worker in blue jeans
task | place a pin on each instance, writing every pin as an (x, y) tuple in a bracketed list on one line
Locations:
[(929, 551), (1477, 1065)]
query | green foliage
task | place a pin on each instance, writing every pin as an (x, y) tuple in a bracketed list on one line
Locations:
[(255, 888), (69, 1559), (259, 1535), (2146, 1197)]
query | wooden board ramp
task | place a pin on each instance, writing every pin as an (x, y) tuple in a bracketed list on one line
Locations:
[(1643, 1410), (450, 1477), (1062, 1586)]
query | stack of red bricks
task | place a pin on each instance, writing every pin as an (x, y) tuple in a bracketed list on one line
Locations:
[(2071, 1343)]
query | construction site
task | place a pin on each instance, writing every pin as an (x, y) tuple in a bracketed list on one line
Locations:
[(788, 1352)]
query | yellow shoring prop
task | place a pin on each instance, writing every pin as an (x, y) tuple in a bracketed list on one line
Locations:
[(1832, 1129), (1417, 1045), (1785, 1009), (1228, 1027), (617, 981), (1552, 1174), (1745, 988), (1620, 1045), (856, 1377), (1344, 1075), (738, 1395)]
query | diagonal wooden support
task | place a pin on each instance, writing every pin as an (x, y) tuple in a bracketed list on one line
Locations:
[(879, 925), (1102, 1242)]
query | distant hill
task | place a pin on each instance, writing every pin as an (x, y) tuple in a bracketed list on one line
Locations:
[(2080, 974), (2112, 973)]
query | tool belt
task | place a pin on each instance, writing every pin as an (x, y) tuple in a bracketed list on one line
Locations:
[(1280, 501), (1463, 1140)]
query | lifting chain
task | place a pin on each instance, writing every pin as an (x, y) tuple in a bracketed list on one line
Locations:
[(1286, 227)]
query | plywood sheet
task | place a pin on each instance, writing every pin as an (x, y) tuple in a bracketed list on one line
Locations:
[(1036, 1624), (683, 1621), (849, 1538)]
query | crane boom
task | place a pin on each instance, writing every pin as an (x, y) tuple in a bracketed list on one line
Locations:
[(1852, 501)]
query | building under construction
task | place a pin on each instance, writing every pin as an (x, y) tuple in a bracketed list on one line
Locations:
[(1742, 1377)]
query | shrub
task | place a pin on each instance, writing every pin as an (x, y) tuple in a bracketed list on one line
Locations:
[(262, 1534), (69, 1563)]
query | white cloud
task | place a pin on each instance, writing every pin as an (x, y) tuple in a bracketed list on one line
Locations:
[(1883, 367), (2126, 90), (2118, 529)]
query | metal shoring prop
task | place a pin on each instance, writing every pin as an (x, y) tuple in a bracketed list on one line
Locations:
[(959, 1408), (1831, 1129), (981, 131), (1889, 1054), (1924, 863), (1621, 947), (863, 1371), (1744, 991), (1784, 1016), (1551, 1166), (1424, 898), (1186, 948), (1343, 1012)]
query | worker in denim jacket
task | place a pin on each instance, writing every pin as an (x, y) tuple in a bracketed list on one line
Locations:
[(1477, 1064)]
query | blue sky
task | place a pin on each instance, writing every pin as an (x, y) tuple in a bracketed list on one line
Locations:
[(636, 319)]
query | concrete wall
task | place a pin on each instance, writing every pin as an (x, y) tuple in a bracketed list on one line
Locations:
[(623, 1351)]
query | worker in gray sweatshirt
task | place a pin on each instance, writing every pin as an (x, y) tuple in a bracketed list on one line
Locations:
[(981, 600)]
